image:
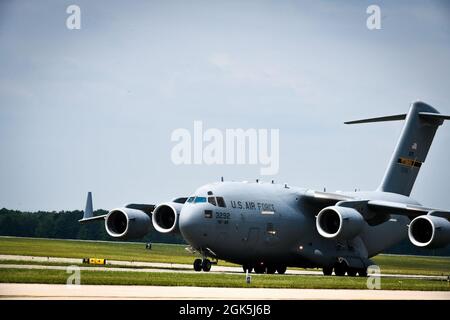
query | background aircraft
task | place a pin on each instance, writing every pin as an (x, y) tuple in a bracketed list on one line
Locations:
[(267, 227)]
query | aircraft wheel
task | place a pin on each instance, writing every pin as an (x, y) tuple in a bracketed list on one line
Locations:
[(271, 269), (260, 269), (327, 271), (198, 265), (246, 268), (340, 269), (281, 269), (352, 272), (206, 265)]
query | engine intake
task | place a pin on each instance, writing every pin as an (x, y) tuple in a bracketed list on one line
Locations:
[(127, 223), (429, 231), (165, 217), (339, 223)]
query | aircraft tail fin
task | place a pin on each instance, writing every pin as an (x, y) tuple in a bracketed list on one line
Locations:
[(88, 215), (421, 123), (89, 210)]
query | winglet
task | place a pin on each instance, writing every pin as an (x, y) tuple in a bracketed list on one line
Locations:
[(88, 215), (88, 211)]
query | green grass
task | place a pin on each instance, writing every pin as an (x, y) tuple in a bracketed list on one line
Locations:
[(214, 280), (177, 254), (395, 264), (85, 249)]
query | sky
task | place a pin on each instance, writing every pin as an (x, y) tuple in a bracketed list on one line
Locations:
[(94, 109)]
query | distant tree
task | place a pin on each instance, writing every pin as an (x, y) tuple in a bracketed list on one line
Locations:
[(65, 225)]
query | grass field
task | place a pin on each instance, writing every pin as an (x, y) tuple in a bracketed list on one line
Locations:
[(108, 250), (395, 264), (214, 280), (177, 254)]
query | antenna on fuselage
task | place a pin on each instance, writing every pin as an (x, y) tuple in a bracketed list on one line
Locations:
[(221, 179)]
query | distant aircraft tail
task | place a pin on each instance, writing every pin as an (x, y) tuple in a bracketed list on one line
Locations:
[(412, 148), (89, 210)]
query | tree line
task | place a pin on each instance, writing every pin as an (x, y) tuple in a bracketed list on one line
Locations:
[(65, 225)]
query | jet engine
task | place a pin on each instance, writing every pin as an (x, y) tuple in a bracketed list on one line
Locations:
[(339, 223), (126, 223), (165, 217), (429, 231)]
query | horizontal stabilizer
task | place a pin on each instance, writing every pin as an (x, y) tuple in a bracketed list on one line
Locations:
[(433, 116), (423, 115), (379, 119)]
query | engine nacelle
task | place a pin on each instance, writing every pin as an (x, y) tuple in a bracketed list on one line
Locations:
[(126, 223), (340, 223), (429, 231), (165, 217)]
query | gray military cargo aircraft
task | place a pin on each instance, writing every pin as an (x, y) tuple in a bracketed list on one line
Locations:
[(267, 227)]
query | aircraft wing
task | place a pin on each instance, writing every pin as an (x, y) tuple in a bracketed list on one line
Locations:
[(93, 218), (323, 199), (409, 210), (88, 215)]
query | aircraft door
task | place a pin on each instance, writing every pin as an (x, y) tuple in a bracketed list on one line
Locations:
[(252, 238)]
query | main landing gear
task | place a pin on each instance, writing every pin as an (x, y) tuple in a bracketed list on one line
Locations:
[(262, 268), (204, 265), (341, 268)]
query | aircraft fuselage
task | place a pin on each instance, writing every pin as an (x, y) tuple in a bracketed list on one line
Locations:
[(272, 223)]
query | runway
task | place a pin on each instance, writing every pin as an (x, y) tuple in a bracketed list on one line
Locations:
[(60, 291), (56, 291), (137, 266)]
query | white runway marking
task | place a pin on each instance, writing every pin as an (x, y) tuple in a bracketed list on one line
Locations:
[(137, 266), (52, 291)]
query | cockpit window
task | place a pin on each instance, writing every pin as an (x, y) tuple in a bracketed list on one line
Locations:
[(180, 200), (212, 200), (191, 199), (200, 199), (221, 202)]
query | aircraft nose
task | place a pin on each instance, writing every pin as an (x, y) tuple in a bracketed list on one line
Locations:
[(191, 224)]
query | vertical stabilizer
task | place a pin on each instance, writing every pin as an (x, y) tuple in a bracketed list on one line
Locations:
[(421, 123), (88, 211)]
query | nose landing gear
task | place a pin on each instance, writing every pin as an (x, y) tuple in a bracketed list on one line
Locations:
[(204, 265), (198, 264)]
